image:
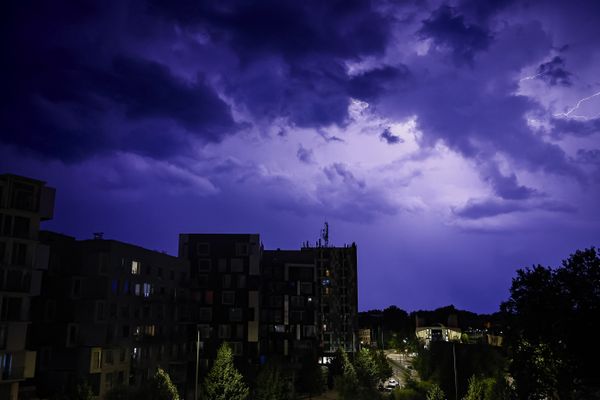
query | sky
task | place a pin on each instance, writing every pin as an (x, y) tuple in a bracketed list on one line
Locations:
[(453, 141)]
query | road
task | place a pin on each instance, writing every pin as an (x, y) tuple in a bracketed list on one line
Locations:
[(400, 363)]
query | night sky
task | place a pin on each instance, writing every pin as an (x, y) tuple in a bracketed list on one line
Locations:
[(454, 142)]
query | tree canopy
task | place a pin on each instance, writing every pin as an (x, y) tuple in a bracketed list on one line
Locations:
[(224, 382), (550, 314)]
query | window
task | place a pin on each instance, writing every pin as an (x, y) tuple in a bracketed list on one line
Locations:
[(306, 288), (208, 297), (114, 286), (72, 334), (237, 265), (96, 360), (241, 281), (309, 331), (228, 298), (148, 269), (100, 306), (202, 249), (204, 331), (108, 356), (76, 287), (7, 225), (103, 263), (222, 265), (235, 314), (19, 254), (125, 311), (296, 317), (205, 314), (159, 272), (125, 331), (2, 252), (126, 287), (237, 348), (242, 249), (147, 289), (3, 336), (226, 281), (21, 227), (204, 264), (135, 267), (122, 355), (297, 301), (224, 331), (239, 331), (202, 281), (137, 289)]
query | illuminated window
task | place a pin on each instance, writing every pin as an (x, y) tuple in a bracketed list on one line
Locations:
[(147, 289), (135, 267)]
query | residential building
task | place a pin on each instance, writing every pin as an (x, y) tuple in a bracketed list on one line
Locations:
[(225, 283), (24, 204), (110, 313)]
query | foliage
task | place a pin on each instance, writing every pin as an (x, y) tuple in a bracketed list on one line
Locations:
[(346, 384), (118, 393), (481, 388), (413, 390), (435, 393), (384, 369), (366, 368), (436, 364), (224, 382), (310, 378), (160, 387), (547, 312), (271, 383)]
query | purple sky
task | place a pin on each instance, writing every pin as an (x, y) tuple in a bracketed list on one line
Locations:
[(454, 142)]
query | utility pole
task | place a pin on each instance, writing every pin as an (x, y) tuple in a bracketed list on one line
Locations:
[(197, 361), (455, 375)]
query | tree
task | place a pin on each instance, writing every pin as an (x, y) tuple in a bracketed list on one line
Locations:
[(366, 368), (435, 393), (384, 369), (346, 384), (310, 378), (547, 313), (223, 381), (271, 383), (160, 387)]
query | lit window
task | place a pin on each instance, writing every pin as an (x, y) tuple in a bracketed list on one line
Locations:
[(147, 289), (135, 267)]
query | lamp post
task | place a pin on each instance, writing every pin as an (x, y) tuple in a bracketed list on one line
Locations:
[(197, 361)]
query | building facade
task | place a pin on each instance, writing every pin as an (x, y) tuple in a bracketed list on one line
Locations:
[(110, 313), (24, 204)]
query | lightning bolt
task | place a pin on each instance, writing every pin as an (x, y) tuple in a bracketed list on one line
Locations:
[(581, 101), (527, 78)]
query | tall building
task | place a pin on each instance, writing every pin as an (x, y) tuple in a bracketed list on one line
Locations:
[(24, 203), (225, 283), (110, 313)]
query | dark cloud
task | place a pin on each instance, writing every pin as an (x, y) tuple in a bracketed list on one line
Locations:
[(73, 94), (337, 171), (294, 29), (448, 29), (369, 85), (478, 209), (506, 187), (586, 156), (577, 127), (554, 73), (389, 137), (305, 155)]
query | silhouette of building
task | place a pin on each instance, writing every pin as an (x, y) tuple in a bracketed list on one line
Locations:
[(109, 314), (24, 203), (225, 285)]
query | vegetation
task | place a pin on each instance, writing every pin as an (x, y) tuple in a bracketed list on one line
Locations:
[(435, 393), (310, 378), (224, 382), (160, 387), (271, 383), (548, 312)]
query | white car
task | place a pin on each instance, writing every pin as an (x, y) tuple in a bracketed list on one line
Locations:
[(391, 384)]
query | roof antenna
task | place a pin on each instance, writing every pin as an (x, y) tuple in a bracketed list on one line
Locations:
[(98, 235), (325, 234)]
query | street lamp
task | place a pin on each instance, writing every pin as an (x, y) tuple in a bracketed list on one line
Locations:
[(197, 360)]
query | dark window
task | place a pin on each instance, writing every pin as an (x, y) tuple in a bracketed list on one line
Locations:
[(19, 255), (204, 264), (7, 225), (72, 334), (205, 314), (241, 281), (228, 297), (226, 281), (202, 281), (237, 265), (21, 228), (2, 252), (76, 287), (202, 249), (23, 198), (242, 249), (235, 314)]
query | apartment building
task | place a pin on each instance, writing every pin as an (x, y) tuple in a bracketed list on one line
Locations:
[(24, 204), (110, 313), (225, 285)]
